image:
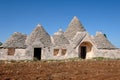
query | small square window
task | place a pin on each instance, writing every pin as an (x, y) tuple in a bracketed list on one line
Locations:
[(64, 52), (56, 51), (11, 51)]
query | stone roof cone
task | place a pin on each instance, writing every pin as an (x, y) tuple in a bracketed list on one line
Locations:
[(74, 27), (17, 40), (39, 34), (102, 42), (59, 38), (59, 32)]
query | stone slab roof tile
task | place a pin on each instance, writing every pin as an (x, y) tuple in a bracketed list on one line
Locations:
[(59, 38), (102, 42), (78, 38), (17, 40), (39, 34), (74, 27)]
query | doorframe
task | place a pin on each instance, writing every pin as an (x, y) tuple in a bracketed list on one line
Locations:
[(89, 47), (83, 52), (38, 53)]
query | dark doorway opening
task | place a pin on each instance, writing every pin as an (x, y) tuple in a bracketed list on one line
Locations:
[(37, 53), (83, 52)]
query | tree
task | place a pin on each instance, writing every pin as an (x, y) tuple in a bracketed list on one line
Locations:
[(0, 43), (105, 35)]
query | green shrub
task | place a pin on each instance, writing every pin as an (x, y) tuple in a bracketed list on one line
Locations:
[(0, 43), (35, 59), (99, 58)]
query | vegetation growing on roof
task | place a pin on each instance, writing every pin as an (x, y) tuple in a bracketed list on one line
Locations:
[(102, 42)]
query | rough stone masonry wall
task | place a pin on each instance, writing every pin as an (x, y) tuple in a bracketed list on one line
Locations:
[(114, 54), (70, 53), (20, 54)]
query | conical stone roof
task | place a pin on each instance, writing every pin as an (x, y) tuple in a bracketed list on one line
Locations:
[(39, 34), (17, 40), (59, 38), (102, 42), (74, 27)]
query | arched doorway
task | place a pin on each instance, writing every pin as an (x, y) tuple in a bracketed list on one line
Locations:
[(84, 48)]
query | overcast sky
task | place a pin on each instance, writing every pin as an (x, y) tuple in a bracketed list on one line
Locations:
[(96, 15)]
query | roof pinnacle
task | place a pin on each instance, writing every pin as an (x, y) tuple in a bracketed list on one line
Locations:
[(38, 25)]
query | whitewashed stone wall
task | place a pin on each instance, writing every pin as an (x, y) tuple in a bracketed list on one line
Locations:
[(71, 53), (20, 54), (114, 54)]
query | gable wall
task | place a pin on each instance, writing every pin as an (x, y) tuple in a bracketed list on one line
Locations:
[(87, 39)]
